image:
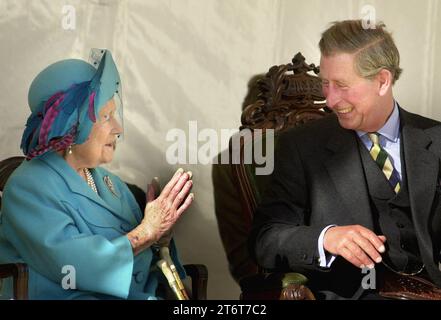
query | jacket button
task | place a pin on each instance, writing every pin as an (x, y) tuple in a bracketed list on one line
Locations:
[(402, 246), (125, 227), (400, 225), (139, 276), (304, 256)]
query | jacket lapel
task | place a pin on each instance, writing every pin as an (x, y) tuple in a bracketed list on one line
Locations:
[(77, 185), (345, 169), (422, 167), (107, 191)]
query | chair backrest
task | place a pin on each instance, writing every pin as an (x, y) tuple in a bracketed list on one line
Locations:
[(7, 166), (17, 271), (290, 95)]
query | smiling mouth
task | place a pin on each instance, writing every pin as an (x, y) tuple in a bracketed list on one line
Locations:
[(344, 110)]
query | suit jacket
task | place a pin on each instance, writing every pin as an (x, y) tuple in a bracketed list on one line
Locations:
[(318, 181), (51, 218)]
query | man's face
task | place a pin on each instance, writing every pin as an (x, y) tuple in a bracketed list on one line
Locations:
[(355, 100)]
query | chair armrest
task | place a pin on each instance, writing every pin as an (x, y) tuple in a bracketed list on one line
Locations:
[(199, 278), (275, 286), (19, 274)]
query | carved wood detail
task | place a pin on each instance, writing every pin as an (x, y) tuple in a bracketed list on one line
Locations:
[(289, 96)]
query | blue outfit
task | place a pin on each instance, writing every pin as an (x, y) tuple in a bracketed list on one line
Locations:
[(72, 239), (51, 218)]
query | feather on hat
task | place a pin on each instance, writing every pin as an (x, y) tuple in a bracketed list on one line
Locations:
[(65, 99)]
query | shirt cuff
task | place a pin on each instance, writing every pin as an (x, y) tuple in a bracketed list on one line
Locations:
[(325, 260)]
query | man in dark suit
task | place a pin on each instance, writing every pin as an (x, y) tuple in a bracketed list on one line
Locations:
[(359, 189)]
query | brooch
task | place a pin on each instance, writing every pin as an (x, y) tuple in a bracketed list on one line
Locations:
[(109, 185)]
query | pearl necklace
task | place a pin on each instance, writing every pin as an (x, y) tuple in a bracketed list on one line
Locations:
[(90, 180)]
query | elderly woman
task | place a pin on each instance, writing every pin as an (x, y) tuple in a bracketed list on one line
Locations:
[(76, 225)]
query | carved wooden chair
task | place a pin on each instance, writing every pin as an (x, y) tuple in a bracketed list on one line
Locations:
[(290, 95), (198, 273)]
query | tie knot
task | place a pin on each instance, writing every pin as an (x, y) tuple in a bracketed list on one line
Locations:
[(375, 137)]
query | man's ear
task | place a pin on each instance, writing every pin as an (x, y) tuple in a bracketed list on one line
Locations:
[(384, 78)]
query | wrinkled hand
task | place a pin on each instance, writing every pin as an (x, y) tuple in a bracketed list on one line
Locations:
[(161, 214), (357, 244), (153, 190)]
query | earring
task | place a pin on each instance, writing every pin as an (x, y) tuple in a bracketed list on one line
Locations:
[(69, 149)]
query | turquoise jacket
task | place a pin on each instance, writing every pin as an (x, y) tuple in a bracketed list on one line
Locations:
[(51, 219)]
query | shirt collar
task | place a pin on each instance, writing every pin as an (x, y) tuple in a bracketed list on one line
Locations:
[(391, 128)]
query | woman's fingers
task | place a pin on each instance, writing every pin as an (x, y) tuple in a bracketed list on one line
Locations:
[(169, 186), (182, 194), (177, 187), (173, 201), (186, 204)]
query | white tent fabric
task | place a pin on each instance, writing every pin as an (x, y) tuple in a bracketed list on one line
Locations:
[(190, 60)]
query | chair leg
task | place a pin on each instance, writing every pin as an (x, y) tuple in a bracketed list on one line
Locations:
[(21, 282), (19, 274), (19, 271)]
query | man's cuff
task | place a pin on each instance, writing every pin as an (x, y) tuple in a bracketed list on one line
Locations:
[(325, 260)]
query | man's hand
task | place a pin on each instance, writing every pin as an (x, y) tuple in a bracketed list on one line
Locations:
[(357, 244)]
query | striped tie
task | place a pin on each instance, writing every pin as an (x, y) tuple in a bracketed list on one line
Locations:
[(382, 159)]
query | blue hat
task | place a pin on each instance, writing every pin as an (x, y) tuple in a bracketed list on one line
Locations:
[(65, 99)]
